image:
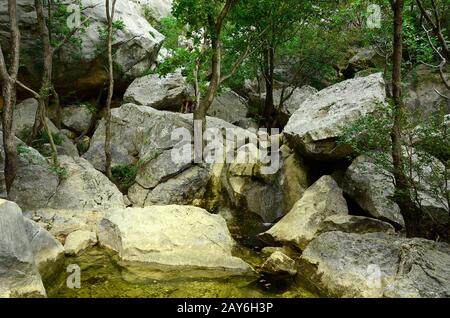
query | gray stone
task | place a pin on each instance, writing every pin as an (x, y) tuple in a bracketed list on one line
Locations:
[(19, 276), (170, 235), (372, 188), (84, 188), (163, 93), (229, 106), (279, 264), (377, 265), (47, 251), (300, 226), (88, 74), (355, 224), (78, 241), (77, 118), (318, 121)]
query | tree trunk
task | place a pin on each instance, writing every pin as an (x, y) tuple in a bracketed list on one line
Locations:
[(403, 193), (47, 72), (9, 97), (9, 79), (269, 109), (110, 18), (202, 109)]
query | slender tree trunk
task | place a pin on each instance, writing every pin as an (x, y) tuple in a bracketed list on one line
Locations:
[(46, 86), (9, 79), (110, 18), (202, 109), (269, 109), (403, 192)]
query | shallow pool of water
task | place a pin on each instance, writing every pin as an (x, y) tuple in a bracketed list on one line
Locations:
[(103, 275)]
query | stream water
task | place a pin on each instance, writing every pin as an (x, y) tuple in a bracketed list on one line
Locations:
[(103, 275)]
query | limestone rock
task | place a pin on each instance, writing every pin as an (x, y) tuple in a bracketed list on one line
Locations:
[(163, 93), (78, 241), (279, 264), (318, 121), (170, 235), (377, 265), (47, 251), (300, 226), (19, 276)]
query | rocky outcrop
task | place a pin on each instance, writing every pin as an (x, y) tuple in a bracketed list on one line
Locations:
[(420, 94), (170, 235), (76, 118), (373, 190), (47, 251), (377, 265), (188, 187), (301, 225), (355, 224), (158, 9), (229, 106), (163, 93), (77, 241), (298, 96), (19, 275), (79, 67), (268, 195), (24, 116), (315, 125), (145, 134), (84, 188), (79, 186), (279, 264)]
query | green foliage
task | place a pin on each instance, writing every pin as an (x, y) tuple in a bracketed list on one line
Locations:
[(426, 150), (124, 175), (45, 139), (21, 149), (61, 172)]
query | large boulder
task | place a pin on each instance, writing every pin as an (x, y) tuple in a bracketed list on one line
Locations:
[(163, 93), (377, 265), (47, 251), (79, 67), (187, 188), (76, 118), (420, 93), (301, 225), (24, 116), (229, 106), (318, 122), (84, 188), (143, 135), (373, 190), (372, 187), (19, 275), (170, 235), (269, 196), (298, 96), (78, 186)]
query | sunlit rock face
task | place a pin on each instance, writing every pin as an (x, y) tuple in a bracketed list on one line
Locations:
[(170, 235), (318, 122), (80, 67)]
